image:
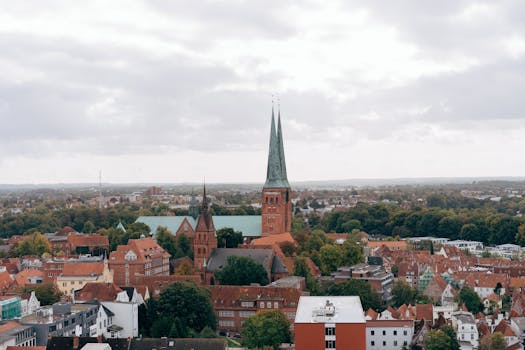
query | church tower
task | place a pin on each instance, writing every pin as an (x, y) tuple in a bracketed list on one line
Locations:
[(205, 240), (276, 193)]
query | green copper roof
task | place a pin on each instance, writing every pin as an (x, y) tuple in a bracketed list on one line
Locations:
[(276, 176), (249, 225), (172, 223)]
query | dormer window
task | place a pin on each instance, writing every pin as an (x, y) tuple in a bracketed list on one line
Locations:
[(130, 256)]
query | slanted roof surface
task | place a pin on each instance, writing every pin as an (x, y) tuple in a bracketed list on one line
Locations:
[(172, 223), (220, 256), (348, 309)]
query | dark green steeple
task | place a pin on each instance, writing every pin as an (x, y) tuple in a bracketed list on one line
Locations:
[(276, 172)]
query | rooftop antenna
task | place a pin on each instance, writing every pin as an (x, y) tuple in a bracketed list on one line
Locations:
[(100, 200)]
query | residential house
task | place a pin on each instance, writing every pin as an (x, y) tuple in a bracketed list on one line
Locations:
[(465, 326), (139, 257), (74, 276), (118, 301)]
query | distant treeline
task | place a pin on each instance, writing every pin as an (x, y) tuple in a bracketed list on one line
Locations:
[(453, 217)]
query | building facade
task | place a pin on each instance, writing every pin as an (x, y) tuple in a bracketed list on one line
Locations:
[(330, 323), (141, 256)]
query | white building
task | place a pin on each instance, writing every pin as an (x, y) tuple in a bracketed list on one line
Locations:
[(29, 304), (388, 334), (465, 327)]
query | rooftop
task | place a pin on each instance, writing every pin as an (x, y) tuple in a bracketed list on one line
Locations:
[(329, 309)]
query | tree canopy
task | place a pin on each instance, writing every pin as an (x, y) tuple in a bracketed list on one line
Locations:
[(270, 328), (46, 293), (227, 237), (471, 300), (33, 244), (182, 309), (441, 339), (241, 271)]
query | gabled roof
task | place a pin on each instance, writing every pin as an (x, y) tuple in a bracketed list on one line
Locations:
[(98, 291), (274, 239), (22, 278), (83, 268), (424, 312), (504, 328), (88, 240), (264, 257)]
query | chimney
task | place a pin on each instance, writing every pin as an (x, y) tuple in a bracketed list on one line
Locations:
[(75, 342)]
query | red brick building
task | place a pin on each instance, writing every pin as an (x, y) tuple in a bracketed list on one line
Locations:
[(233, 304), (94, 244), (139, 257), (330, 323), (276, 193)]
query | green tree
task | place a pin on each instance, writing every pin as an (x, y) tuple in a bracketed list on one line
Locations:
[(88, 227), (331, 257), (451, 333), (241, 271), (352, 252), (183, 246), (270, 328), (496, 341), (469, 232), (166, 240), (369, 297), (402, 293), (188, 302), (302, 269), (520, 235), (471, 300), (437, 340), (227, 237), (46, 293), (315, 241), (33, 244)]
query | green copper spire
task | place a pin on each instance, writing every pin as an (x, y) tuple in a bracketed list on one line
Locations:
[(276, 171), (280, 145)]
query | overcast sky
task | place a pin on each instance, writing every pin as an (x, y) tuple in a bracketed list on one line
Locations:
[(172, 91)]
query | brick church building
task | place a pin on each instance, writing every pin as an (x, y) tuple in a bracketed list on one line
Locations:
[(276, 219)]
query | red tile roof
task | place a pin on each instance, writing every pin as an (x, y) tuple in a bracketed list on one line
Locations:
[(88, 240), (83, 268), (99, 291), (424, 312), (22, 278)]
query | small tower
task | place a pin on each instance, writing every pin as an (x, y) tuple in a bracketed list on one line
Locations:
[(276, 193), (205, 240), (194, 209)]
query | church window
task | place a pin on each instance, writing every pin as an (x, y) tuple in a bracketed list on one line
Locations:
[(277, 200), (271, 200), (287, 196)]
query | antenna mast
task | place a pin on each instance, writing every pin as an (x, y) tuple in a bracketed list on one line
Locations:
[(100, 200)]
